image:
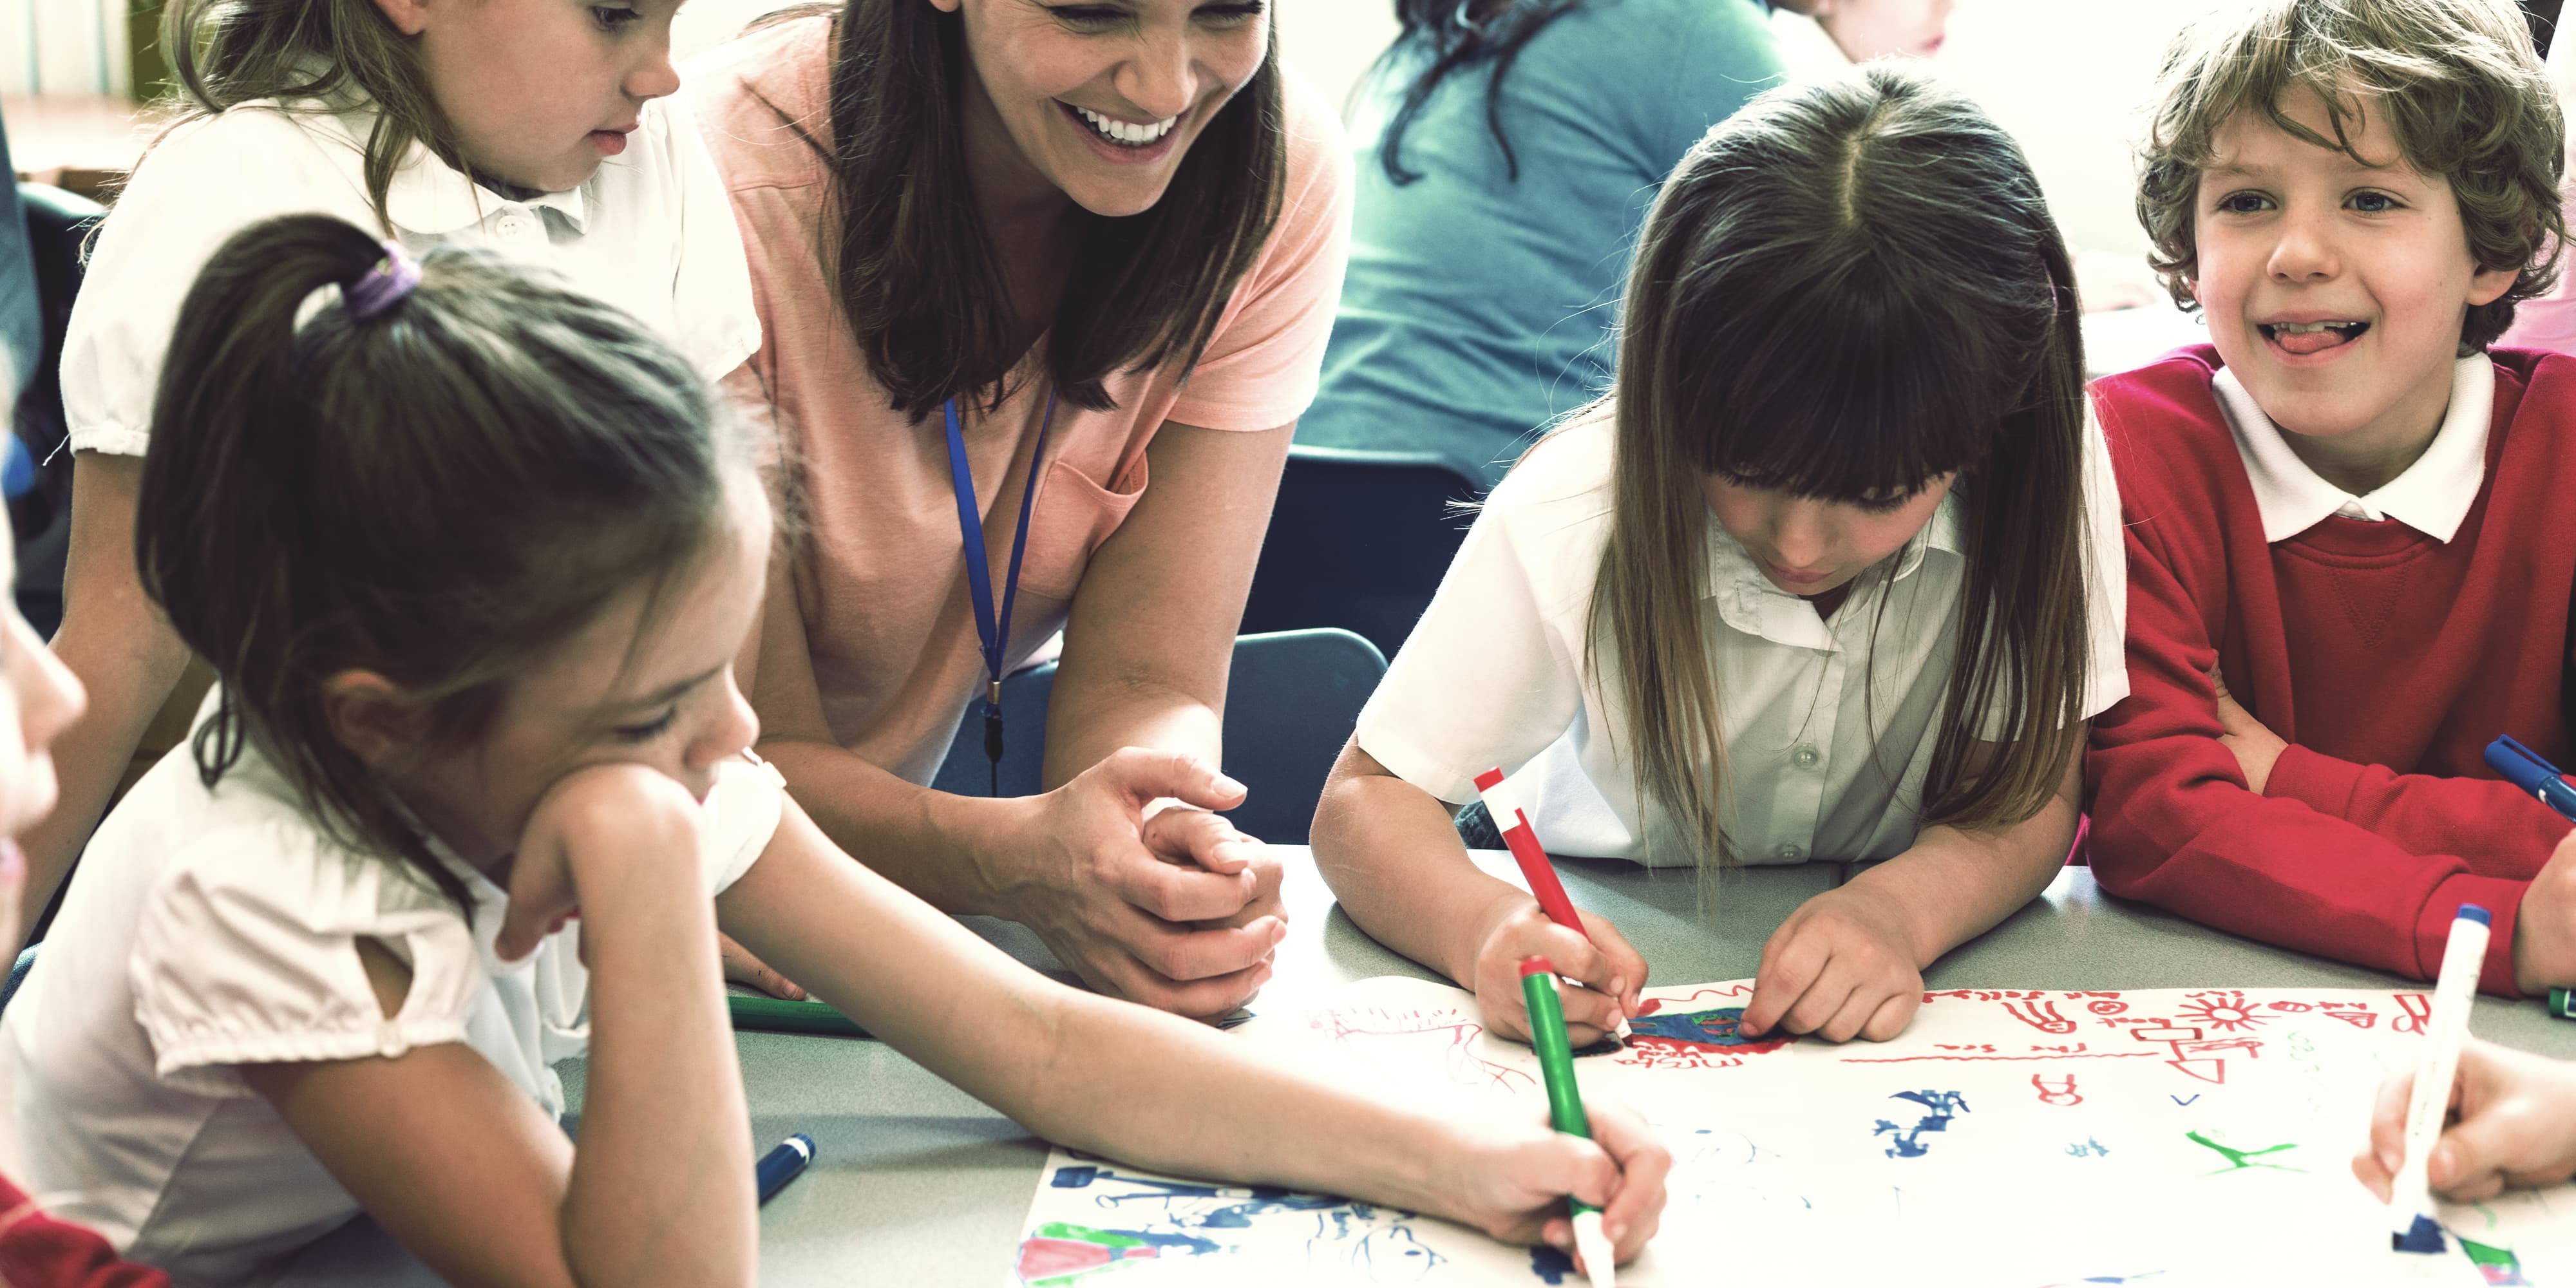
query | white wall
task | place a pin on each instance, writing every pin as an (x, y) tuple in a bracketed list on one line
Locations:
[(63, 47)]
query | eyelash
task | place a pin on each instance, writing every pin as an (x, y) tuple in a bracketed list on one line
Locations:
[(2227, 204), (612, 17), (647, 732), (1883, 505)]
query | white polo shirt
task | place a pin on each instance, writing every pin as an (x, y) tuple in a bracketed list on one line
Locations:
[(2432, 496), (1819, 764), (651, 232)]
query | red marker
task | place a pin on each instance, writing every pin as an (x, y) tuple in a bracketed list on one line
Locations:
[(1533, 861)]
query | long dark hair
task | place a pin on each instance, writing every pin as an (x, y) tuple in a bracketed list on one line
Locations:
[(439, 494), (227, 52), (1458, 35), (918, 280), (1844, 291)]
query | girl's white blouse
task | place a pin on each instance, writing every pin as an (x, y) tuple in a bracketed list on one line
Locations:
[(1827, 725), (212, 928)]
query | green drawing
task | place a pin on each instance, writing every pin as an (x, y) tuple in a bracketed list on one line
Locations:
[(2238, 1159), (2498, 1265)]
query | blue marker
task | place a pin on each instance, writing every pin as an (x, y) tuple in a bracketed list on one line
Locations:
[(2413, 1224), (783, 1164), (2529, 772)]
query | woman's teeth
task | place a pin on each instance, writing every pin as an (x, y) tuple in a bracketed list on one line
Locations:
[(1121, 132)]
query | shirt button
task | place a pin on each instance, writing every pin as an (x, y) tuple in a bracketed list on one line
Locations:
[(1806, 757), (1791, 851), (513, 227)]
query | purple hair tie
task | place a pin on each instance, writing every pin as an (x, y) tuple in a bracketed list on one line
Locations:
[(383, 286)]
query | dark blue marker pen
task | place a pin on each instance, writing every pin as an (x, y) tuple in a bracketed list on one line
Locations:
[(782, 1164), (2532, 774)]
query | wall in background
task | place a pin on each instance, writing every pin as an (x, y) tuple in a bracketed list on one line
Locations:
[(63, 47)]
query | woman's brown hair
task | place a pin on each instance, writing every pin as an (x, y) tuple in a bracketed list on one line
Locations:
[(339, 52), (1845, 291), (918, 280), (440, 493)]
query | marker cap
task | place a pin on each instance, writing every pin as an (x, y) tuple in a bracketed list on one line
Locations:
[(1536, 966), (2472, 912)]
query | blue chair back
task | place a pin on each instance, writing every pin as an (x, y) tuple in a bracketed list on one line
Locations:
[(1359, 540), (1291, 702)]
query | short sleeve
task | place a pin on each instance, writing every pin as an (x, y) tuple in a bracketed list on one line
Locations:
[(716, 320), (1264, 363), (246, 952), (204, 182), (1483, 681), (2106, 576), (742, 813)]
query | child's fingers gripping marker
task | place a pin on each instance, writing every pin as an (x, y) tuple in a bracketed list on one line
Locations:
[(1565, 1108), (1535, 868)]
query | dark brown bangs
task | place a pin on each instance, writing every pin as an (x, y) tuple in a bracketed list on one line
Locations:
[(917, 276)]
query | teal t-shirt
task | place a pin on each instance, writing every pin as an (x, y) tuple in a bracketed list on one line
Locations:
[(1478, 308)]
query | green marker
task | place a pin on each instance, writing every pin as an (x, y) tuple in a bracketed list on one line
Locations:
[(2558, 1004), (1564, 1104), (778, 1015)]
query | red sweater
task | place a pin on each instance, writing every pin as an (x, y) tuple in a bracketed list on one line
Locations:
[(37, 1251), (2386, 659)]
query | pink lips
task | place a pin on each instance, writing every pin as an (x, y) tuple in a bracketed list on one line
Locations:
[(1795, 577), (610, 142)]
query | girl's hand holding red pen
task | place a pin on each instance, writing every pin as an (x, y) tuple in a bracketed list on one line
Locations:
[(1511, 1180), (1611, 972)]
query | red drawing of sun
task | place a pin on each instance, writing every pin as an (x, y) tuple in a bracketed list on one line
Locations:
[(2226, 1012)]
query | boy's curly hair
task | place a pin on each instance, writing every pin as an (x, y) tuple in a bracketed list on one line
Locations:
[(2455, 82)]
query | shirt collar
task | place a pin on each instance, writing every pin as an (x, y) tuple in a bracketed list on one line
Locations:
[(2432, 496), (431, 198), (1747, 601)]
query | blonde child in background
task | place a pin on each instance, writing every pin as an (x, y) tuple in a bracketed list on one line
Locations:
[(539, 128), (1832, 574), (472, 555)]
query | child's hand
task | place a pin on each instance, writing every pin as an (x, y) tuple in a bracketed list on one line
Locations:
[(1511, 1183), (1611, 972), (2544, 930), (2254, 744), (621, 825), (1842, 965), (2516, 1125)]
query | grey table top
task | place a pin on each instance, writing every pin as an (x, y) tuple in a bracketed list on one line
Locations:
[(917, 1183)]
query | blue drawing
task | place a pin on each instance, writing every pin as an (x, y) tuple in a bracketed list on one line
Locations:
[(1939, 1107), (2181, 1101), (2091, 1148), (1699, 1028), (1260, 1200), (1550, 1265)]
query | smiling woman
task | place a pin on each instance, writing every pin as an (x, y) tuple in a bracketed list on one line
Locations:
[(1094, 242)]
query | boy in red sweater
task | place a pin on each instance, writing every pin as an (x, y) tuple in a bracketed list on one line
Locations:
[(2344, 506)]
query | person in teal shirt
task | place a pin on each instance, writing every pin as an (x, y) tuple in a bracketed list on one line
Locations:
[(1508, 151)]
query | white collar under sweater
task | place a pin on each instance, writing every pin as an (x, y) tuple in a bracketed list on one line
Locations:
[(2432, 496)]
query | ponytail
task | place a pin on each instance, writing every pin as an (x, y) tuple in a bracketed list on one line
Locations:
[(438, 487), (1459, 34)]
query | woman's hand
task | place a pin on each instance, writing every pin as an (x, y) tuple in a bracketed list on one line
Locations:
[(2515, 1125), (1611, 972), (1511, 1182), (1179, 911), (1842, 966)]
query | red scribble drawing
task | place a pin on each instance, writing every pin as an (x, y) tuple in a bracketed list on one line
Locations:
[(2360, 1017), (2040, 1015), (2418, 1007), (1984, 994), (1966, 1059), (1352, 1025), (1651, 1005), (2195, 1056), (2225, 1011), (1987, 1047), (2292, 1007), (2063, 1093), (2106, 1008), (2061, 1050)]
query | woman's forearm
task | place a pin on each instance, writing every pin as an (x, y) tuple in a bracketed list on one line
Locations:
[(929, 842), (1087, 720)]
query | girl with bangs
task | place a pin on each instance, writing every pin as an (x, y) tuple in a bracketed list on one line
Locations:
[(1832, 574)]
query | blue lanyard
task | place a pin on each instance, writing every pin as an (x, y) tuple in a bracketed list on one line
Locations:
[(994, 630)]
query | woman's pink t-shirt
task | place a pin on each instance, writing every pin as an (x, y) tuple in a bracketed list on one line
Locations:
[(880, 569)]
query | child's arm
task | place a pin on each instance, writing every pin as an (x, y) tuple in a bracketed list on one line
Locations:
[(127, 657), (1850, 961), (466, 1172), (2497, 828), (2174, 824), (1100, 1075), (1393, 858), (2514, 1124)]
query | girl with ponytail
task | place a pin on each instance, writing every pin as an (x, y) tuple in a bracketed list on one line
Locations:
[(1833, 573), (471, 555)]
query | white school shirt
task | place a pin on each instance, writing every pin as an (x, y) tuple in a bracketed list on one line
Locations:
[(212, 928), (1494, 675), (651, 232), (2432, 496)]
